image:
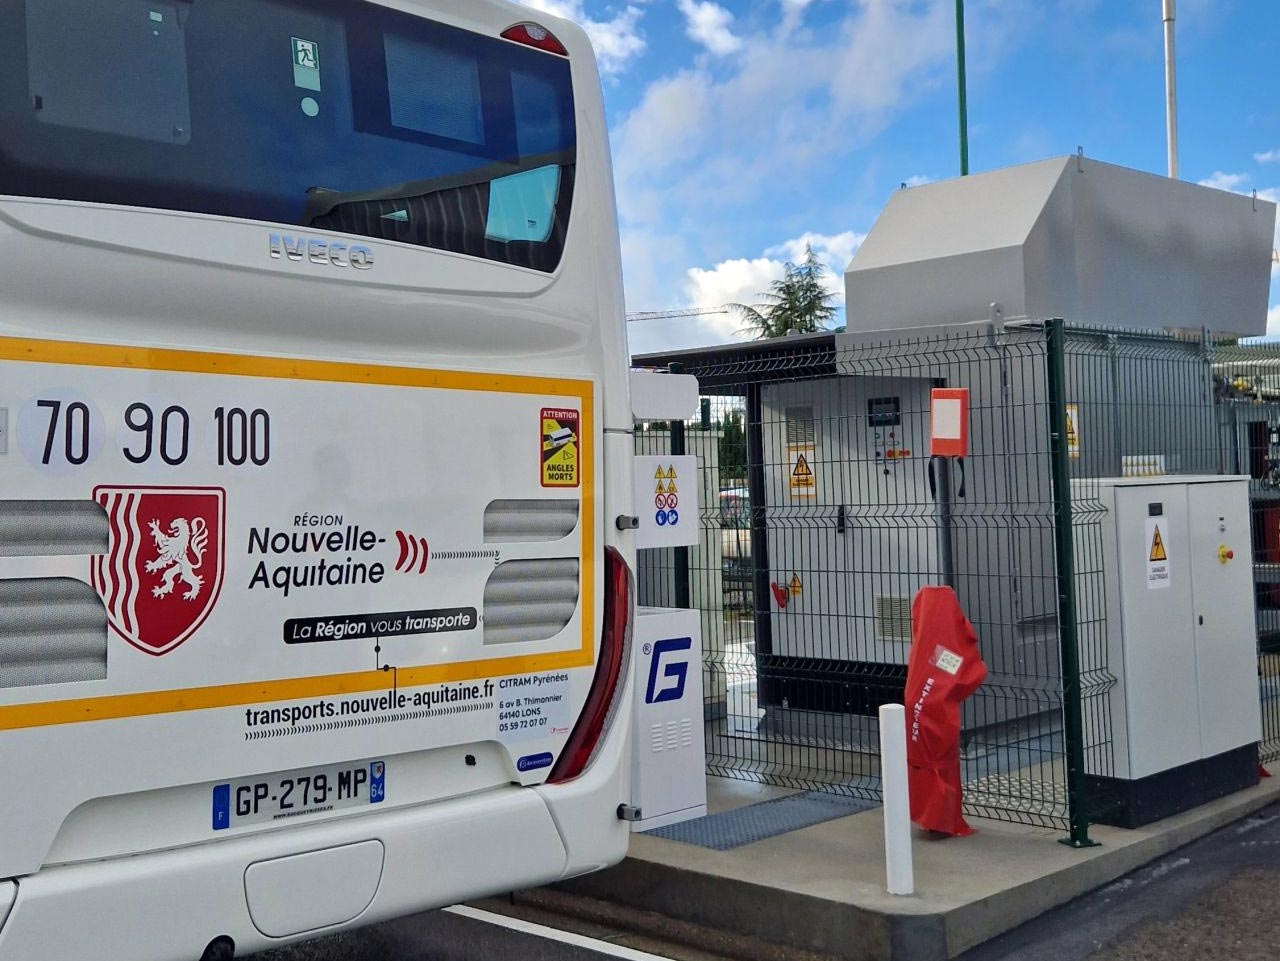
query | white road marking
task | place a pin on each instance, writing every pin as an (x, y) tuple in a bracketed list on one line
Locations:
[(553, 934)]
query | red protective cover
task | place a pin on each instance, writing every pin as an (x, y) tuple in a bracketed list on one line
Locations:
[(944, 668)]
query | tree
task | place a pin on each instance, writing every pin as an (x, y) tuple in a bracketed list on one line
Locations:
[(733, 449), (799, 303)]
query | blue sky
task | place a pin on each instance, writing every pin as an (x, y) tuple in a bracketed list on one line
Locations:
[(743, 128)]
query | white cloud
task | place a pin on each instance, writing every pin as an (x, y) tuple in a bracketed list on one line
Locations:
[(1273, 321), (1224, 181), (919, 180), (738, 280), (787, 100), (834, 250), (793, 12), (617, 41), (742, 280), (713, 150), (709, 24), (1267, 157)]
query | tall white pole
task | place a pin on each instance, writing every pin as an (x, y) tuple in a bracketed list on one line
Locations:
[(898, 869), (1171, 87)]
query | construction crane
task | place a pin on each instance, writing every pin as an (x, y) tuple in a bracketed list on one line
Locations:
[(672, 314)]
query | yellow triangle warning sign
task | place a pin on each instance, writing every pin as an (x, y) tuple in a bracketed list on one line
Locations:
[(659, 474), (671, 488), (797, 585), (671, 473), (1157, 547), (802, 468)]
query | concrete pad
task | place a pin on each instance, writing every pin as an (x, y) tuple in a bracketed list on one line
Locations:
[(820, 889)]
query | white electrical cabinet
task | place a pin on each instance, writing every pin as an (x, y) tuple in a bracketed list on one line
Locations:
[(1173, 621), (852, 523), (669, 781)]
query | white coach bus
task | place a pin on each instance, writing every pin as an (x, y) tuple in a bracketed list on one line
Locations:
[(302, 623)]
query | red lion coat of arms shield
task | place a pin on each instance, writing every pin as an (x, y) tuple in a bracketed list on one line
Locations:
[(162, 572)]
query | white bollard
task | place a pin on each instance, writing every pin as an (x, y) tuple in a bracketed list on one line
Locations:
[(899, 873)]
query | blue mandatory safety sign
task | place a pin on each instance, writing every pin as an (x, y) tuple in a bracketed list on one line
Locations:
[(661, 518), (673, 518)]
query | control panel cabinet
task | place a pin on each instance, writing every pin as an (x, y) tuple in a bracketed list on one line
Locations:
[(1176, 622), (669, 782)]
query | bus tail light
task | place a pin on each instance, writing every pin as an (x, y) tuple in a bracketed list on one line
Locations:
[(602, 701), (533, 35)]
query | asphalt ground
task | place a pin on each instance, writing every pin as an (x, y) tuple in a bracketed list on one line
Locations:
[(1218, 898), (475, 936)]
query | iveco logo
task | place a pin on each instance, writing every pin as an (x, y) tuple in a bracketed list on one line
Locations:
[(328, 253)]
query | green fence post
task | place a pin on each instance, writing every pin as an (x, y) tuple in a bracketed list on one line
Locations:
[(964, 90), (681, 554), (1060, 466)]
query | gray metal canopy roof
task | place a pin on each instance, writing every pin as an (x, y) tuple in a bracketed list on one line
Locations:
[(1070, 237)]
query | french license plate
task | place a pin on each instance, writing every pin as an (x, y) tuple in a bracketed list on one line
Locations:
[(294, 793)]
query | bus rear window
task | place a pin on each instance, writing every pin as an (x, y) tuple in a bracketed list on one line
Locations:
[(338, 115)]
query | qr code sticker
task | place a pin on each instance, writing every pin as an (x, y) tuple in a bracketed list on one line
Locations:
[(948, 661)]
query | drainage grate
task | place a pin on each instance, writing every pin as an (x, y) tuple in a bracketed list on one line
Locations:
[(755, 822)]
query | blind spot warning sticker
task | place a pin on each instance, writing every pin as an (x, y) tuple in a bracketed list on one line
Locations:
[(561, 444)]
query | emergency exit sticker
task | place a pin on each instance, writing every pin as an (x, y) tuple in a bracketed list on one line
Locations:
[(560, 447), (1157, 547), (306, 64)]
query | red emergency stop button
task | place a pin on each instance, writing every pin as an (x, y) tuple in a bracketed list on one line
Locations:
[(1225, 554)]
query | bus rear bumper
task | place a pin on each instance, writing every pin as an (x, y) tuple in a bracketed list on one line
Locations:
[(265, 890)]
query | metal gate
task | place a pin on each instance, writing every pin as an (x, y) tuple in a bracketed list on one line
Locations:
[(823, 514)]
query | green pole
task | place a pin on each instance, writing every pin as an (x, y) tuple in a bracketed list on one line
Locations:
[(964, 96), (1068, 639)]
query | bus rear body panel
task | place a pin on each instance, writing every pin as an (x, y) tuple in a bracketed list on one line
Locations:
[(287, 564)]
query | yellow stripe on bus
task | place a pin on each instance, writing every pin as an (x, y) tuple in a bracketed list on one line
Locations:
[(118, 706), (281, 368)]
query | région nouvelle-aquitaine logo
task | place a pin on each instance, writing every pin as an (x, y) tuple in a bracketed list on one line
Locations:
[(162, 572)]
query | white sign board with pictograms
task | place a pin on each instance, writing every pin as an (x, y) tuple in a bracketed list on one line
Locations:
[(667, 501)]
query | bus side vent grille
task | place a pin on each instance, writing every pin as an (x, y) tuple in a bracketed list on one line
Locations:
[(53, 630), (517, 522), (893, 617), (531, 600), (52, 528)]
